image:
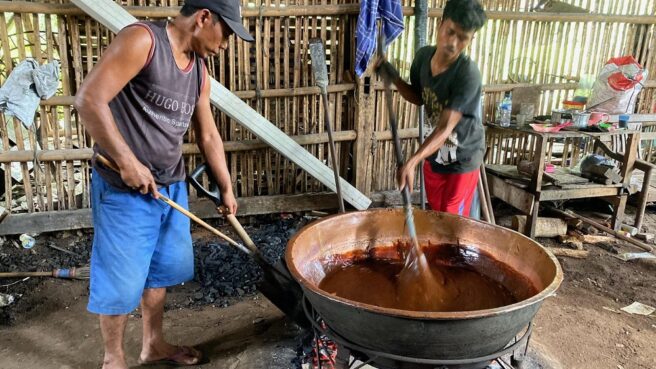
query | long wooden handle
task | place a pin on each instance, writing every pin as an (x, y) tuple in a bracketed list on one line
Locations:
[(331, 147), (241, 232), (184, 211), (25, 274), (196, 219)]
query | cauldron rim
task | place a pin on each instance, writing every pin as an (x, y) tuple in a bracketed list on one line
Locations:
[(426, 315)]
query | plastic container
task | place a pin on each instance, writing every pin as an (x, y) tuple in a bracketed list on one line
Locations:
[(573, 105), (27, 241), (581, 119), (629, 229), (624, 120), (505, 108)]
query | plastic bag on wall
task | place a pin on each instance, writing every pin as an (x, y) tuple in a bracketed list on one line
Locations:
[(617, 86)]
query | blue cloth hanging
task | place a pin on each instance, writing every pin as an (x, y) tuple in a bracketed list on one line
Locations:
[(391, 14)]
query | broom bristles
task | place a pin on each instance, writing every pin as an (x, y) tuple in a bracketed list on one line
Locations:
[(82, 273)]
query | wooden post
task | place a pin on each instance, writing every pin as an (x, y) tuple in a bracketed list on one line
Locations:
[(642, 198), (364, 120), (627, 168), (536, 184)]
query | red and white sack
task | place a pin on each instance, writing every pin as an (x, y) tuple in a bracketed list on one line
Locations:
[(617, 86)]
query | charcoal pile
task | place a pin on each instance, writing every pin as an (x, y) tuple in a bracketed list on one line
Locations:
[(62, 250), (50, 251), (225, 273)]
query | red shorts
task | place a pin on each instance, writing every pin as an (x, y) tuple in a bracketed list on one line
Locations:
[(452, 192)]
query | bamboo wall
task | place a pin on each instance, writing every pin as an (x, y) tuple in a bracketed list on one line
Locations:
[(520, 48), (273, 75)]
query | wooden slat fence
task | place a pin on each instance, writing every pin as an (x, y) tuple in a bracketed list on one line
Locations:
[(520, 48)]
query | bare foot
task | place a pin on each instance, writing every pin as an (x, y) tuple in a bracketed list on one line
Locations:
[(167, 353), (114, 363)]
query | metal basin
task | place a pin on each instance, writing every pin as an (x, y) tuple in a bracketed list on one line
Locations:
[(429, 335)]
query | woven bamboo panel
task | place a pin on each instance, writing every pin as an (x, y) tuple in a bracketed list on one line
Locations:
[(533, 52), (272, 75)]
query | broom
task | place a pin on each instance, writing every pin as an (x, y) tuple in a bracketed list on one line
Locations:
[(72, 273)]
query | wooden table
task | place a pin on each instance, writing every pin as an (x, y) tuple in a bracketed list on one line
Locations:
[(527, 197)]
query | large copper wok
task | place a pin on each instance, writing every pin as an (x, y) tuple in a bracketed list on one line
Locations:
[(442, 335)]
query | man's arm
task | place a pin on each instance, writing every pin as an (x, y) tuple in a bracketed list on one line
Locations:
[(211, 146), (408, 92), (449, 118), (387, 70), (121, 62)]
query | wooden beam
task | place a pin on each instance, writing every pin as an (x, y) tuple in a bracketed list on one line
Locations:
[(172, 11), (311, 139), (46, 221), (562, 17), (579, 193), (19, 156), (258, 205), (345, 87), (503, 87), (248, 94), (326, 10), (114, 17), (52, 221), (403, 134), (386, 199)]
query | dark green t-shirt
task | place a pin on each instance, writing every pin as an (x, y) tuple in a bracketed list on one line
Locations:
[(457, 88)]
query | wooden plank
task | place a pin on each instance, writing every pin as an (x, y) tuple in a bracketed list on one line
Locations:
[(114, 17), (579, 193), (563, 252), (75, 219), (245, 94), (46, 221), (51, 221), (518, 198), (332, 9), (560, 175)]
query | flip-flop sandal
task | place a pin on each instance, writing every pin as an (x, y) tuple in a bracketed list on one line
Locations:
[(178, 358)]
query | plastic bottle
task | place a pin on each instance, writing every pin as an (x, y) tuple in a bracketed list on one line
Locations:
[(505, 108), (27, 241)]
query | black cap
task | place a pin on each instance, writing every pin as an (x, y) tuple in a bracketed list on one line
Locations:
[(229, 11)]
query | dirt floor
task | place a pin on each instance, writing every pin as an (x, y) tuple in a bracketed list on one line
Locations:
[(581, 327)]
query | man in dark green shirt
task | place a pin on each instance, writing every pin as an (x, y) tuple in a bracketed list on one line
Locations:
[(448, 83)]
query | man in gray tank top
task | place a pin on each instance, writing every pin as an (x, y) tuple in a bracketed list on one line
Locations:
[(137, 103)]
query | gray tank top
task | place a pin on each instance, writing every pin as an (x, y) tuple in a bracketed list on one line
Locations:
[(154, 109)]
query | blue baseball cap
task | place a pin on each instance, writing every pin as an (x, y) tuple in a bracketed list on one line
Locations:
[(229, 11)]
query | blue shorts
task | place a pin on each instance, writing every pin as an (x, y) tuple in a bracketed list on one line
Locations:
[(138, 243)]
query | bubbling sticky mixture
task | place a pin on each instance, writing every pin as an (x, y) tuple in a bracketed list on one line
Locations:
[(470, 280)]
